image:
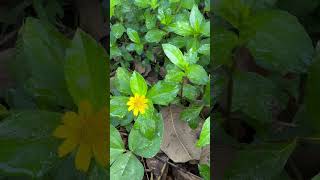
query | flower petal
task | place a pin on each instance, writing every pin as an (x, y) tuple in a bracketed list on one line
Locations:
[(129, 103), (70, 119), (61, 132), (83, 157), (136, 111), (85, 109), (66, 147), (130, 108), (100, 152)]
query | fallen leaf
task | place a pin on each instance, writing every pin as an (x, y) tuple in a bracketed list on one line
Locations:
[(178, 139), (205, 155), (152, 77), (139, 67)]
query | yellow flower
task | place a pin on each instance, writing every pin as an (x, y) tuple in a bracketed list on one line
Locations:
[(87, 131), (138, 103)]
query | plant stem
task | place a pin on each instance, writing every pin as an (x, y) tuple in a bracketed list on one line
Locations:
[(181, 92)]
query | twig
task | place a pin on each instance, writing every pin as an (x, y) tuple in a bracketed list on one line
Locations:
[(162, 170), (144, 165), (145, 168), (285, 124), (175, 166)]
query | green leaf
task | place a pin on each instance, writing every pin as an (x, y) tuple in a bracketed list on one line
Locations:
[(260, 161), (188, 4), (141, 3), (235, 12), (192, 43), (146, 123), (40, 56), (191, 56), (174, 75), (117, 30), (175, 55), (247, 87), (190, 92), (163, 92), (126, 166), (196, 18), (118, 106), (267, 32), (154, 4), (312, 96), (65, 169), (154, 36), (207, 94), (151, 21), (205, 134), (191, 115), (115, 52), (296, 7), (207, 5), (122, 81), (48, 12), (205, 29), (99, 173), (113, 3), (116, 144), (133, 35), (177, 41), (223, 43), (181, 28), (144, 147), (204, 171), (27, 144), (317, 177), (204, 49), (86, 70), (138, 48), (137, 84), (197, 74), (164, 15)]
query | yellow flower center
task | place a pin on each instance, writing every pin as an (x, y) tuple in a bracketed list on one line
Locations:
[(137, 104)]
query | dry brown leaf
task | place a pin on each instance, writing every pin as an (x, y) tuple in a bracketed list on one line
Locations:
[(139, 67), (178, 138), (205, 155)]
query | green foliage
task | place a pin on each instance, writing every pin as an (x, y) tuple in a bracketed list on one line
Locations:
[(85, 71), (265, 161), (27, 147), (167, 38), (205, 134), (52, 73), (264, 64)]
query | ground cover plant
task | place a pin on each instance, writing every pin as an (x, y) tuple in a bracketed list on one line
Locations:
[(160, 89), (266, 89), (54, 91)]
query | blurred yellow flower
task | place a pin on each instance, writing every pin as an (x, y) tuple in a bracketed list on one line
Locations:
[(87, 131), (138, 103)]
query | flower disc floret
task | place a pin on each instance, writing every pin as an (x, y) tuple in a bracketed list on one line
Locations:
[(138, 103)]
